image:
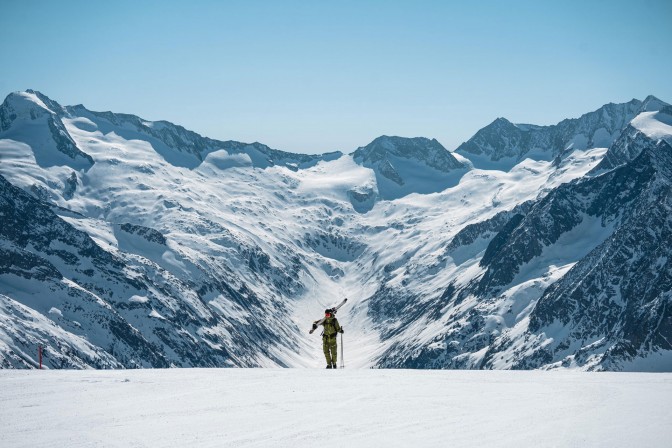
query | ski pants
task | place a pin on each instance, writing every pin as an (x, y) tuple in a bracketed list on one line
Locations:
[(330, 348)]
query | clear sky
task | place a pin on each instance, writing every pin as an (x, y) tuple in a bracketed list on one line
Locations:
[(314, 76)]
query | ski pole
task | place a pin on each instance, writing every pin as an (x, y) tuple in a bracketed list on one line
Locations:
[(342, 359)]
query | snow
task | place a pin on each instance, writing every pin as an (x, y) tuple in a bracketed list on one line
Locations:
[(23, 102), (35, 328), (418, 178), (138, 299), (333, 179), (353, 408), (155, 314), (570, 248), (656, 125), (222, 160)]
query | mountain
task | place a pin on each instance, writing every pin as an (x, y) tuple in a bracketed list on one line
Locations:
[(578, 278), (653, 123), (120, 294), (615, 300), (131, 243), (116, 309), (503, 144), (32, 118), (409, 165), (176, 144)]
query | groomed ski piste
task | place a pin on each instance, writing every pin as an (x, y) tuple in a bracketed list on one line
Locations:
[(343, 408), (226, 196)]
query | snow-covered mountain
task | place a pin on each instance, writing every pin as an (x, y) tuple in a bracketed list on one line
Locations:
[(652, 124), (409, 165), (503, 144), (131, 243)]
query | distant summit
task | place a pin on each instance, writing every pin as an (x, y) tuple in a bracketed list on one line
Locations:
[(421, 149), (652, 104), (652, 124), (502, 144), (409, 165), (28, 105), (33, 118)]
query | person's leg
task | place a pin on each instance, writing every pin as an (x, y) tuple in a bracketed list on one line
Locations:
[(333, 346), (327, 351)]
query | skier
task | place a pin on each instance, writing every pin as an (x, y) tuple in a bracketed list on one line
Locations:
[(331, 330)]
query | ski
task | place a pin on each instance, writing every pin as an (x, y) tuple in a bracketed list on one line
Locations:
[(317, 323)]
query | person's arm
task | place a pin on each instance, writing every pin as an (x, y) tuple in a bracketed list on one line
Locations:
[(339, 329)]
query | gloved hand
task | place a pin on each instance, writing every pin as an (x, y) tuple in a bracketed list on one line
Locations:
[(341, 330), (314, 326)]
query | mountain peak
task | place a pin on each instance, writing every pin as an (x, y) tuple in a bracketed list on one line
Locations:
[(502, 144), (501, 121), (51, 143), (406, 147), (24, 102), (405, 165), (501, 139), (32, 100), (421, 149), (29, 104), (652, 104)]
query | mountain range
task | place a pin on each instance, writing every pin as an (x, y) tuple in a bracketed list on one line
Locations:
[(132, 243)]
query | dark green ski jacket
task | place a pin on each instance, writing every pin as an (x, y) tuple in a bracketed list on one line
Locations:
[(331, 327)]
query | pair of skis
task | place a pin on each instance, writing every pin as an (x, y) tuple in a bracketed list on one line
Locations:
[(317, 323)]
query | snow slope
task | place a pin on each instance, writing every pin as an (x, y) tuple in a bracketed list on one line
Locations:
[(354, 408)]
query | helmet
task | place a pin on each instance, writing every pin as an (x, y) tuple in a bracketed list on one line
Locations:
[(327, 311)]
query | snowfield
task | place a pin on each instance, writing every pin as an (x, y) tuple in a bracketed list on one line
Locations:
[(344, 408)]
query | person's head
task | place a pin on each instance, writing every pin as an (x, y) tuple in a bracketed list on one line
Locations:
[(327, 313)]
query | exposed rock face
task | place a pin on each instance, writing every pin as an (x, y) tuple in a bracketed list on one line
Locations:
[(148, 234)]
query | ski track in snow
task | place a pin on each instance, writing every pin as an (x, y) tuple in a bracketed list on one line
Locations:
[(305, 407)]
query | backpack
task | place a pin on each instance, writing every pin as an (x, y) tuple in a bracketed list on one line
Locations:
[(329, 327)]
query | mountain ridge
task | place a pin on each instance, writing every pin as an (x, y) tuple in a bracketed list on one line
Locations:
[(173, 136), (598, 128)]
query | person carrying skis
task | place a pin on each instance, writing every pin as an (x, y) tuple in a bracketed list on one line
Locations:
[(331, 328)]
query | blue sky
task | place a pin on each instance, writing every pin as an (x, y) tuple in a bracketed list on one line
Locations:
[(319, 76)]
